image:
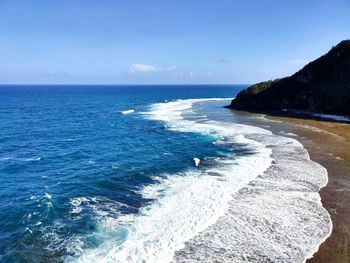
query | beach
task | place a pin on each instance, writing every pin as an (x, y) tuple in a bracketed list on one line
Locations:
[(252, 195), (328, 143)]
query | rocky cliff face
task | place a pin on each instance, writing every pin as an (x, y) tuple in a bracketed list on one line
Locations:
[(321, 86)]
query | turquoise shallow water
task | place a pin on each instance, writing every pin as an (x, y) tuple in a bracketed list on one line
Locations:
[(69, 157)]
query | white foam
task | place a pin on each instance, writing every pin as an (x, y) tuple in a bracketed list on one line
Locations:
[(277, 217), (283, 133), (321, 115), (29, 159), (186, 204), (32, 159), (242, 209), (332, 117), (196, 161), (125, 112), (30, 231)]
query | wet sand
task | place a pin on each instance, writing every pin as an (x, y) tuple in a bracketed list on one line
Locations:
[(328, 143)]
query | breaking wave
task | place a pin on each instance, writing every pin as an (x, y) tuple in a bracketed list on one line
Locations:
[(260, 203)]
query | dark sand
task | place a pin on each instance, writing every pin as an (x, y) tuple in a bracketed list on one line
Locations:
[(328, 143)]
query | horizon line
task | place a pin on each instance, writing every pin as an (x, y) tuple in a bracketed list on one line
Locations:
[(97, 84)]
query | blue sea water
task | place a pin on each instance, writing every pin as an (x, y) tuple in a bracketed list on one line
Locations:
[(69, 157)]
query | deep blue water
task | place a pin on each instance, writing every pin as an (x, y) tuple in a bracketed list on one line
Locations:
[(59, 143)]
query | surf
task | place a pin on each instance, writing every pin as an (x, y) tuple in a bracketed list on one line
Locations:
[(189, 203), (262, 204)]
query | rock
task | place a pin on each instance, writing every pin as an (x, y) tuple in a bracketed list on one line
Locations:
[(322, 86)]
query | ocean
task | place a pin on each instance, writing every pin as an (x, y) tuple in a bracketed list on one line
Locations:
[(151, 174)]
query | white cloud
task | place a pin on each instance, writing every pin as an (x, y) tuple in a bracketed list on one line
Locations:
[(172, 68), (170, 72), (142, 68)]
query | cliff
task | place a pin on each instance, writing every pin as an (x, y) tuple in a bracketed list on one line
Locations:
[(322, 86)]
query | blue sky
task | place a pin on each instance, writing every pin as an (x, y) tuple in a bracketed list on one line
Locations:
[(164, 41)]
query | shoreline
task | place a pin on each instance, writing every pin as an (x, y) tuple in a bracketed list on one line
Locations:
[(295, 239), (327, 143), (298, 114)]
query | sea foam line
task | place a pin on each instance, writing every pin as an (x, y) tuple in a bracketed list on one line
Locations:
[(186, 204), (125, 112), (277, 217), (249, 210)]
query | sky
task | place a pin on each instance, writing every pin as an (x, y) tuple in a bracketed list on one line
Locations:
[(164, 41)]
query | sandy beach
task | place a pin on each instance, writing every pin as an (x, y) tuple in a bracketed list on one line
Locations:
[(328, 143)]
